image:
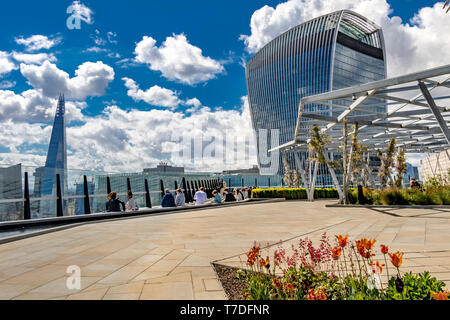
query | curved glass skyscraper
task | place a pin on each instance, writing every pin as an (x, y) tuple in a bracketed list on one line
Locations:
[(334, 51)]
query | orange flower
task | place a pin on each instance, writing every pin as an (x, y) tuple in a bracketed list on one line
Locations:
[(336, 251), (369, 244), (318, 294), (289, 286), (377, 267), (252, 255), (264, 263), (342, 240), (384, 249), (439, 296), (396, 258)]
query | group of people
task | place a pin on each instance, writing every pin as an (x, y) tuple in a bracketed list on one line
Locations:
[(114, 204), (219, 195)]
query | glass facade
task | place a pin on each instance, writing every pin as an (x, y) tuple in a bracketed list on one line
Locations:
[(334, 51)]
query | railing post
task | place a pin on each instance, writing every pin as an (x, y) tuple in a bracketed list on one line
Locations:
[(229, 184), (242, 182), (183, 185), (128, 185), (256, 182), (108, 186), (148, 200), (269, 182), (87, 206), (176, 185), (59, 206), (162, 188), (192, 191), (26, 204), (196, 185)]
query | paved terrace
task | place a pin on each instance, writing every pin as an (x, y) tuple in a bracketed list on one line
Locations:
[(168, 256)]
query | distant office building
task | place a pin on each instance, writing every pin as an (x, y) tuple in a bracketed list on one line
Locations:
[(254, 170), (412, 172), (436, 165), (11, 188), (164, 167), (331, 52), (56, 163)]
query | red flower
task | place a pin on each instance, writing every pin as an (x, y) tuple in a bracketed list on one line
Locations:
[(384, 249), (276, 282), (253, 255), (377, 267)]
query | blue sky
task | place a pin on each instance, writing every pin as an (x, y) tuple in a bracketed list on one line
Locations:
[(214, 27)]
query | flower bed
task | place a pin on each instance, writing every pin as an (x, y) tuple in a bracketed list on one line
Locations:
[(343, 270), (394, 196), (294, 193)]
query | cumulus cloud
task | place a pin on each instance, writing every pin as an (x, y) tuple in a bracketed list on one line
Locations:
[(36, 58), (120, 140), (33, 106), (6, 65), (177, 60), (37, 42), (6, 84), (417, 44), (156, 96), (91, 79)]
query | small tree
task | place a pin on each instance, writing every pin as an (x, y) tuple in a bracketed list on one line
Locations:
[(401, 168), (387, 162)]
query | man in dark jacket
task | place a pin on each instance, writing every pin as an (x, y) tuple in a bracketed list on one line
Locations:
[(113, 204), (168, 200), (228, 197)]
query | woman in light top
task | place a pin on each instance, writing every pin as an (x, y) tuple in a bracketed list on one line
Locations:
[(131, 204), (180, 199)]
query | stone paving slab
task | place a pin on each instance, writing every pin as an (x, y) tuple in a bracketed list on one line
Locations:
[(169, 256)]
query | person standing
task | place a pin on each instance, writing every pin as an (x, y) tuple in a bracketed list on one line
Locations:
[(131, 204), (180, 200), (220, 187), (168, 200), (200, 196)]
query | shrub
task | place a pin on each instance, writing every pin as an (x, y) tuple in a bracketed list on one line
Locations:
[(294, 193), (415, 287), (393, 197)]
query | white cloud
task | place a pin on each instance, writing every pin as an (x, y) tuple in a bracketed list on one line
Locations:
[(421, 43), (91, 79), (36, 58), (156, 96), (38, 42), (177, 60), (128, 141), (6, 84), (6, 65), (32, 106)]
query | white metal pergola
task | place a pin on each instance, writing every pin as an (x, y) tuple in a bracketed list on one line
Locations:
[(418, 119)]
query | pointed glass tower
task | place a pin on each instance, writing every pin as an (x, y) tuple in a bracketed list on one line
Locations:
[(56, 162)]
